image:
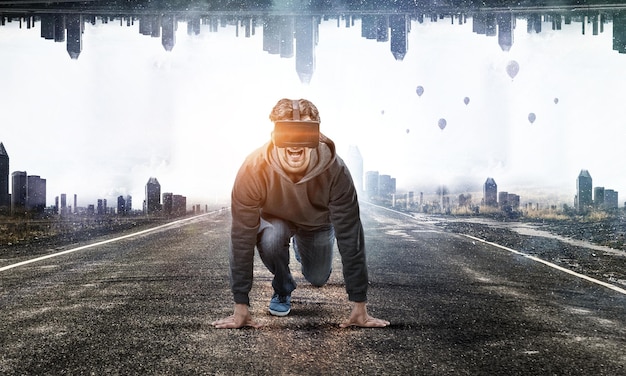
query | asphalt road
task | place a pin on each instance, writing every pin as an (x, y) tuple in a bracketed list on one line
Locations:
[(143, 305)]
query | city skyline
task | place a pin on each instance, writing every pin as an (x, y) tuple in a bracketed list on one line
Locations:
[(280, 29), (371, 185), (167, 115)]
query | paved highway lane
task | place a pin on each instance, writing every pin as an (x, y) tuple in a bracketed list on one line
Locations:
[(143, 305)]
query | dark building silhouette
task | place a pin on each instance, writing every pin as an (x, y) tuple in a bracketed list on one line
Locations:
[(584, 184), (63, 204), (129, 203), (5, 198), (506, 27), (490, 193), (179, 205), (74, 24), (121, 205), (168, 39), (19, 190), (400, 25), (35, 194), (382, 27), (153, 196), (619, 32), (174, 205), (610, 199), (484, 24), (533, 23), (598, 197), (168, 199)]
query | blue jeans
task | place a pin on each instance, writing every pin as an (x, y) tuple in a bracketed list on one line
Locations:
[(313, 249)]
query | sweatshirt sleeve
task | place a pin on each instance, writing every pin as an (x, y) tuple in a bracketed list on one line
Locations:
[(246, 199), (345, 217)]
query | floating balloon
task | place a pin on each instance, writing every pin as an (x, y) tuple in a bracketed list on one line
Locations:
[(382, 112), (419, 91), (512, 68), (407, 131), (442, 123), (532, 117), (556, 100), (466, 100)]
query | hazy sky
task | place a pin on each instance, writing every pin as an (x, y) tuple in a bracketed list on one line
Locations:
[(126, 109)]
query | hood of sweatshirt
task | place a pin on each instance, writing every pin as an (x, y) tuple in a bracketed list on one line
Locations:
[(321, 158)]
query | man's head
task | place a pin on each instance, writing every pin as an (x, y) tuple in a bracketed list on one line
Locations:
[(296, 133)]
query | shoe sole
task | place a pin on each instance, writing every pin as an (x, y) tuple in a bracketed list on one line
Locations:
[(279, 313)]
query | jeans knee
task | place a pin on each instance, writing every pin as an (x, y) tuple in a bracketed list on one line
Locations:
[(274, 237), (317, 280)]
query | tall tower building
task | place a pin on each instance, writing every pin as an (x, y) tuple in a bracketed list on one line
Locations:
[(610, 199), (5, 199), (129, 203), (74, 24), (598, 197), (19, 191), (506, 30), (168, 38), (584, 185), (36, 193), (490, 192), (400, 25), (354, 161), (153, 196)]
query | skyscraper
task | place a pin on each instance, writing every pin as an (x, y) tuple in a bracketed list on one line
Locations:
[(610, 199), (35, 193), (153, 196), (598, 197), (5, 199), (490, 192), (19, 191), (400, 25), (584, 190)]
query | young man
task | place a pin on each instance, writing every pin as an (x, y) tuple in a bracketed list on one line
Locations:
[(296, 188)]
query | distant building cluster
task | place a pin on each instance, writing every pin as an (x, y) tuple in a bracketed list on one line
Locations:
[(375, 187), (379, 187), (28, 197), (28, 191), (172, 205), (504, 200), (587, 197)]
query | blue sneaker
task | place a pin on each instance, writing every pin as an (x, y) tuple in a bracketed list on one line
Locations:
[(280, 305)]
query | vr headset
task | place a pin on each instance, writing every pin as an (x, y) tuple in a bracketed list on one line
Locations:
[(296, 132)]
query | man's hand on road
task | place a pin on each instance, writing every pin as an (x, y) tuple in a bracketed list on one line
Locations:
[(360, 317), (239, 319)]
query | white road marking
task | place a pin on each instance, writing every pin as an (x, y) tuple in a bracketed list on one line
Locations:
[(26, 262), (534, 258), (548, 263)]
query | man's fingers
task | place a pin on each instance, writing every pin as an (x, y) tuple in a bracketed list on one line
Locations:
[(231, 322), (370, 322)]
